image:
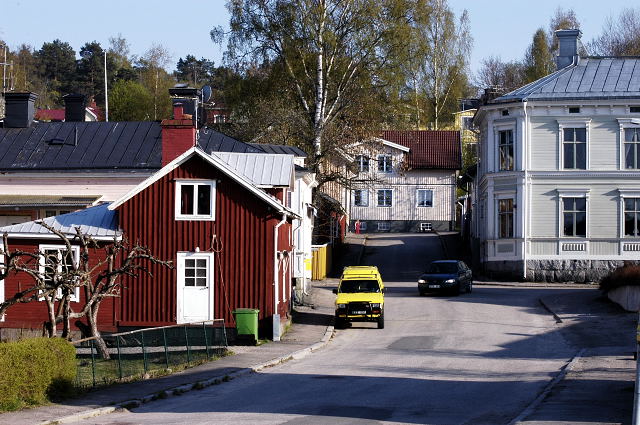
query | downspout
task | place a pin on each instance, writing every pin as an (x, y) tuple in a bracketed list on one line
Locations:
[(296, 238), (276, 294), (525, 195)]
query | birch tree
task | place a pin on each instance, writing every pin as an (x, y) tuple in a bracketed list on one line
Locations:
[(331, 51)]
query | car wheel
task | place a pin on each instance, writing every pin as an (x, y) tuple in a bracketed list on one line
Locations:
[(340, 323), (421, 293), (381, 322), (457, 290)]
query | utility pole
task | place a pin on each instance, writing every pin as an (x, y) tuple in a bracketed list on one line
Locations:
[(106, 92)]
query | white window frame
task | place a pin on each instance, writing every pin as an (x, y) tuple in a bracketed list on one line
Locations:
[(574, 123), (418, 198), (513, 216), (366, 197), (378, 198), (75, 296), (195, 216), (387, 167), (181, 256), (360, 161), (513, 149), (573, 193), (625, 193), (384, 226), (625, 123)]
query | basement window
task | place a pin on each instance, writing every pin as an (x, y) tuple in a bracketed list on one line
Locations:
[(634, 109), (195, 200), (574, 110), (505, 112)]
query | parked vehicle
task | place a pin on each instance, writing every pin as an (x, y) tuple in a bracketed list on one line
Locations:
[(446, 275), (360, 296)]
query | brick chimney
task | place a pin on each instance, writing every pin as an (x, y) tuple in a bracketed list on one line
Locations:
[(74, 107), (178, 135), (19, 109), (568, 45)]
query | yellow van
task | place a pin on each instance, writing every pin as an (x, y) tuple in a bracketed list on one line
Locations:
[(360, 296)]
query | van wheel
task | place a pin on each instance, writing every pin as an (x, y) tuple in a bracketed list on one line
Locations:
[(381, 322), (340, 323)]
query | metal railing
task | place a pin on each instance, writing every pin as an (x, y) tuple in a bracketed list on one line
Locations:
[(136, 353)]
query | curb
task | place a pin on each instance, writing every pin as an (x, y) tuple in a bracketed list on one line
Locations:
[(546, 307), (559, 377), (181, 389), (361, 254)]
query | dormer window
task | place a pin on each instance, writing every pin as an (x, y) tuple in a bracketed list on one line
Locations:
[(362, 162), (195, 199), (385, 164)]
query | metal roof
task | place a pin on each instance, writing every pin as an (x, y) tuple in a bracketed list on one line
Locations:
[(97, 146), (98, 222), (260, 168), (47, 200), (280, 149), (591, 78), (429, 148)]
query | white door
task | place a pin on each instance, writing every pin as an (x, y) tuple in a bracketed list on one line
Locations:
[(195, 287)]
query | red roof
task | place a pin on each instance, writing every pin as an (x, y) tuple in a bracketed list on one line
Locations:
[(50, 115), (429, 148)]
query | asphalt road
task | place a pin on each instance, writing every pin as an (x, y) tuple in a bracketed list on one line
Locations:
[(479, 358)]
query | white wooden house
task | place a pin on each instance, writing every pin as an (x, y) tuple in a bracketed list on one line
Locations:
[(406, 182), (558, 186)]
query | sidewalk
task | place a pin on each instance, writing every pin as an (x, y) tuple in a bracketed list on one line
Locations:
[(311, 330)]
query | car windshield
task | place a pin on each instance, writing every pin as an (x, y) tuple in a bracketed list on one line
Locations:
[(442, 268), (354, 286)]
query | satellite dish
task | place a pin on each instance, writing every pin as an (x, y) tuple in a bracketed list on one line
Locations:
[(206, 94)]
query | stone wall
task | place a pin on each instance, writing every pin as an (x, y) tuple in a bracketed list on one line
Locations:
[(580, 271)]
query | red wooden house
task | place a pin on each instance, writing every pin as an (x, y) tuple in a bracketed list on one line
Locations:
[(230, 241)]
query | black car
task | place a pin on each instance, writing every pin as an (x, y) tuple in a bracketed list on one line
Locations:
[(446, 275)]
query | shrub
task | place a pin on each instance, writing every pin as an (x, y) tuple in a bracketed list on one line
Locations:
[(629, 274), (35, 370)]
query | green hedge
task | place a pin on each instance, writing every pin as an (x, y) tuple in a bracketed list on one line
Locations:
[(33, 371), (627, 275)]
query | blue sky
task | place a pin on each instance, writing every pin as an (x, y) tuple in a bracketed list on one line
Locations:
[(499, 28)]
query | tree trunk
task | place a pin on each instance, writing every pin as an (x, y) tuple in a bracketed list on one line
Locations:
[(92, 318), (51, 324)]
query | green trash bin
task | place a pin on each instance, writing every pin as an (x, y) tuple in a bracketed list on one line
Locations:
[(247, 322)]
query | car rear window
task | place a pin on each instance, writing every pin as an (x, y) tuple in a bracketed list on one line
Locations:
[(442, 268), (354, 286)]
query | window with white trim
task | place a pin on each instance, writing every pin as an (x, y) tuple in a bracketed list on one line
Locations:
[(385, 197), (196, 271), (505, 218), (632, 148), (195, 199), (574, 217), (56, 264), (361, 198), (505, 150), (632, 217), (574, 148), (362, 162), (385, 164), (384, 226), (425, 198)]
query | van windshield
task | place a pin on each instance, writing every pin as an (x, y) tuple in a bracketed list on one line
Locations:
[(355, 286)]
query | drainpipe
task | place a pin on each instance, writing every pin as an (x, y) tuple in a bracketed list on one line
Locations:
[(525, 195), (296, 238), (276, 286)]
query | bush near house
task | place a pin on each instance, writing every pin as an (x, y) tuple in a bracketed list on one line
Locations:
[(34, 371), (627, 275)]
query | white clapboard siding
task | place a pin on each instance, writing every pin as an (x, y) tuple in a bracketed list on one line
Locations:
[(111, 188)]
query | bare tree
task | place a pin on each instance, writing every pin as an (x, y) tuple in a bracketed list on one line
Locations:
[(155, 60), (620, 37), (56, 275)]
